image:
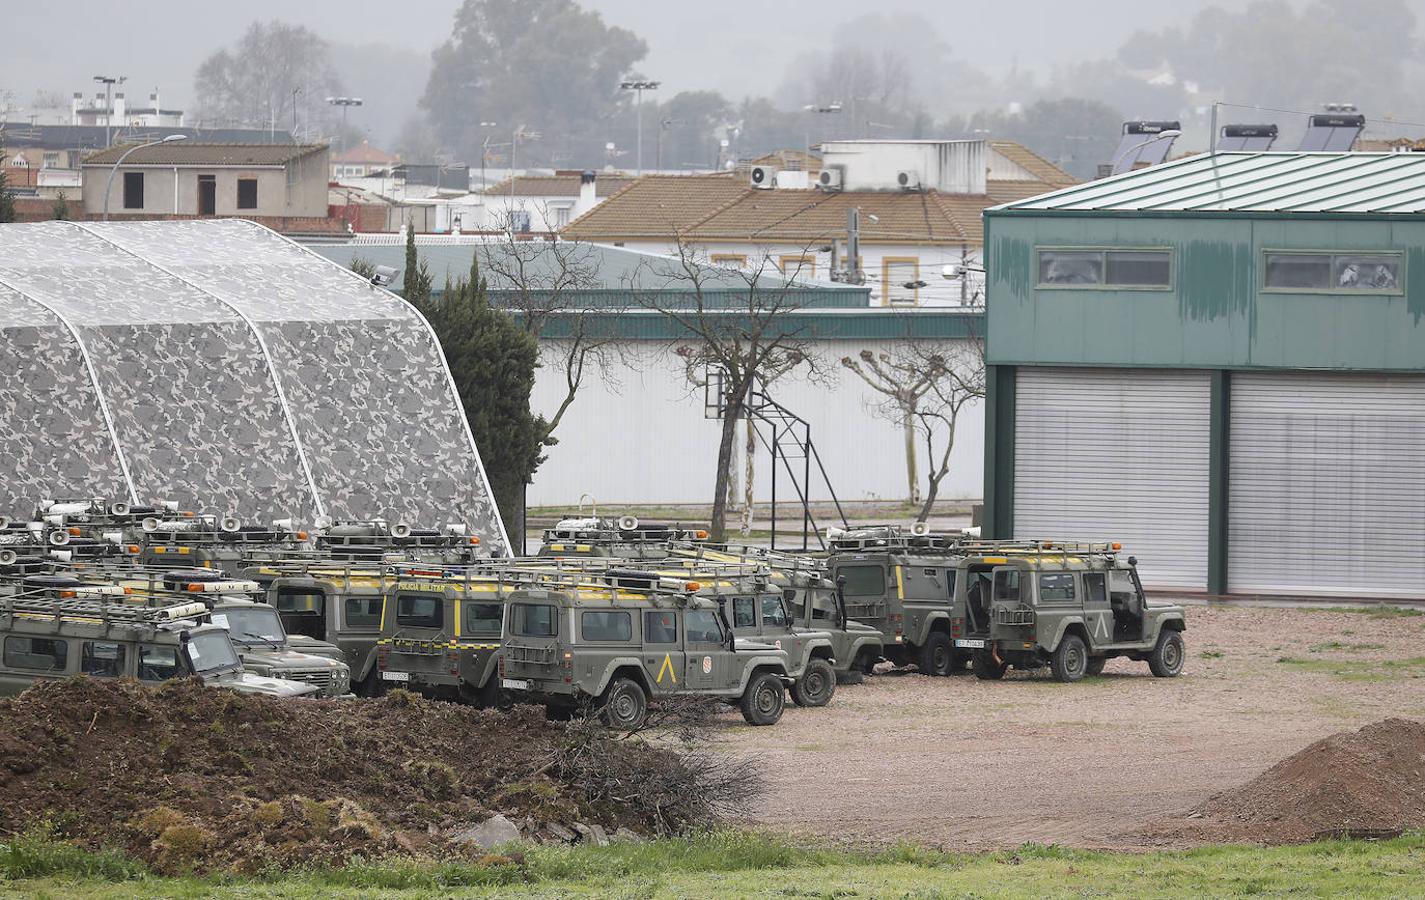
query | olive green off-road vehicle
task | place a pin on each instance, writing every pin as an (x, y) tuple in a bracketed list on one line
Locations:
[(622, 639), (440, 634), (903, 583), (1066, 605)]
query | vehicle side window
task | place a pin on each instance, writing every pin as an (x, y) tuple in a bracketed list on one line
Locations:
[(744, 612), (1095, 590), (158, 662), (420, 610), (863, 581), (300, 600), (701, 627), (102, 659), (39, 654), (660, 626), (1056, 587), (535, 620), (363, 612), (483, 619), (601, 625), (795, 603), (1007, 584), (773, 612)]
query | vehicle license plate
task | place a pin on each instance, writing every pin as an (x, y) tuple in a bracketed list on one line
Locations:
[(514, 684), (396, 676), (963, 642)]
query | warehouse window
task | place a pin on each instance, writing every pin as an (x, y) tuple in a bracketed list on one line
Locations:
[(247, 193), (1109, 268), (1332, 272)]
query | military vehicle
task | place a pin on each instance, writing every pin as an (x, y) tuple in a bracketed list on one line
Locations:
[(380, 541), (902, 581), (622, 639), (57, 626), (622, 538), (1070, 606), (219, 542), (333, 602), (440, 633)]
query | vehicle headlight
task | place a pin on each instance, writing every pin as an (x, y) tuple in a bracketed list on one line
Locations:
[(278, 673)]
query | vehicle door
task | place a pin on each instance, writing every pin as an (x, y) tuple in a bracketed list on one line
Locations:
[(1009, 603), (866, 590), (302, 606), (1057, 600), (706, 649), (358, 627), (1098, 614), (104, 659), (33, 658), (745, 622), (663, 655)]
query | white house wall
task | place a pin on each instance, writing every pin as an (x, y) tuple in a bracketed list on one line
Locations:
[(931, 260), (637, 434)]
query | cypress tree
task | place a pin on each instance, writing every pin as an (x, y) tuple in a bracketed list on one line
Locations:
[(492, 360), (7, 196)]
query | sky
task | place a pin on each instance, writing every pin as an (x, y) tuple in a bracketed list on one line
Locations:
[(739, 47)]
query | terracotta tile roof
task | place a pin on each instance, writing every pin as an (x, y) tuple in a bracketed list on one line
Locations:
[(657, 206), (559, 185), (187, 153), (367, 154), (1033, 163)]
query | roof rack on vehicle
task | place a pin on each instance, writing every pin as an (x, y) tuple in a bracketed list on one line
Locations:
[(895, 537), (37, 604)]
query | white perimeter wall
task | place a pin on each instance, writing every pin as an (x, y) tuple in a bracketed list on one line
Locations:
[(636, 433)]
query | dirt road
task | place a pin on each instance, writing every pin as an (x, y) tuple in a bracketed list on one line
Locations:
[(962, 763)]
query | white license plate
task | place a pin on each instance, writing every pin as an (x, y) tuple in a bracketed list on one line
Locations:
[(395, 676), (973, 644), (514, 684)]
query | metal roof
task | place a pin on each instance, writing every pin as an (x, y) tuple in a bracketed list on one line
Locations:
[(190, 154), (1343, 183)]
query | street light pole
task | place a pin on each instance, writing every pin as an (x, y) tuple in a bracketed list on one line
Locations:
[(817, 109), (1162, 135), (638, 87), (484, 152), (345, 103), (109, 81), (109, 183)]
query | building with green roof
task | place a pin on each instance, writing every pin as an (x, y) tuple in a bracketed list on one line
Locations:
[(1219, 361)]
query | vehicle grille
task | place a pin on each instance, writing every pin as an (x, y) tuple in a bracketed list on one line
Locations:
[(321, 678)]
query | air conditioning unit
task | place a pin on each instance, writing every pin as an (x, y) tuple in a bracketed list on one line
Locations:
[(831, 178), (908, 180), (763, 177)]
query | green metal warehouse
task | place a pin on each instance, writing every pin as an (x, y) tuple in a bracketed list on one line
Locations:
[(1220, 362)]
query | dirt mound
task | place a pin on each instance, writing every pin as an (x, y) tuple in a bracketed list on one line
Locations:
[(185, 776), (1363, 783)]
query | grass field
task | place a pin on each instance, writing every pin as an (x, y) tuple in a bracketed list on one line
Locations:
[(741, 864)]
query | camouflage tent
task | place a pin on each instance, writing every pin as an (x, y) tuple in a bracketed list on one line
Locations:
[(220, 365)]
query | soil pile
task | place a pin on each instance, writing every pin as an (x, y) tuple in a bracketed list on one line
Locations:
[(188, 777), (1364, 783)]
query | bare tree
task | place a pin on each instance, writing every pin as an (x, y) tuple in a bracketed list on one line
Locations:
[(551, 285), (741, 333), (924, 387)]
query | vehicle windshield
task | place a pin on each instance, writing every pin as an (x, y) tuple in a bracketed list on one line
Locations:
[(255, 623), (212, 651)]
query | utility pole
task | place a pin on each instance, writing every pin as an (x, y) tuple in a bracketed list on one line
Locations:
[(345, 103), (109, 81), (484, 152), (663, 126), (853, 245), (638, 87)]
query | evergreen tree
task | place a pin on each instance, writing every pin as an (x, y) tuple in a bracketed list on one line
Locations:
[(60, 209), (7, 196), (492, 360), (416, 283)]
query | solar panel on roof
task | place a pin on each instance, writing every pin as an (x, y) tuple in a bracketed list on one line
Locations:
[(1138, 146), (1246, 137), (1332, 132)]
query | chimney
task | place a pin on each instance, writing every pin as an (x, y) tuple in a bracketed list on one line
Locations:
[(588, 195)]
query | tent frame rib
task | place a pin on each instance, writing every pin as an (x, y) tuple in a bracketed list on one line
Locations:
[(93, 380), (262, 345)]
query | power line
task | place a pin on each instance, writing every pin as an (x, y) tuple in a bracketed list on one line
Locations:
[(1297, 112)]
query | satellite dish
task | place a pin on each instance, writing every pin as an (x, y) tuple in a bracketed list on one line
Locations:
[(920, 529), (400, 530), (118, 509), (58, 538), (150, 524), (229, 524), (627, 523)]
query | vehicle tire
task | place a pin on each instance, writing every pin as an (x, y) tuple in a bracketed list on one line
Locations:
[(491, 695), (1166, 660), (985, 667), (853, 676), (937, 657), (624, 705), (373, 685), (1095, 666), (1070, 660), (763, 701), (816, 686)]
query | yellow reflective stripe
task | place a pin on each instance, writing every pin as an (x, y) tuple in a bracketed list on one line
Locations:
[(900, 584), (457, 618)]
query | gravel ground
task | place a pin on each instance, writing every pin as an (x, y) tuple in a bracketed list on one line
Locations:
[(957, 762)]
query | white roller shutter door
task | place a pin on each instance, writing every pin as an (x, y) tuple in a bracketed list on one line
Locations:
[(1116, 454), (1327, 486)]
